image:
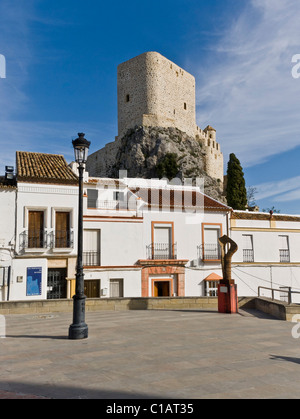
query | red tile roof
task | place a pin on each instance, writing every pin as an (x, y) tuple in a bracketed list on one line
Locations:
[(46, 168), (249, 215)]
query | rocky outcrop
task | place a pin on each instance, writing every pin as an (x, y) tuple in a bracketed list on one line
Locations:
[(143, 148)]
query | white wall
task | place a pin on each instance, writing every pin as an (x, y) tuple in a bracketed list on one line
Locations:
[(49, 198), (18, 290), (131, 280)]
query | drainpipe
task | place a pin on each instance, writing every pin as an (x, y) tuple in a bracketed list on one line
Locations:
[(8, 283)]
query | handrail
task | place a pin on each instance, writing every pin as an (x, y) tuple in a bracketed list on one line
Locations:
[(289, 291)]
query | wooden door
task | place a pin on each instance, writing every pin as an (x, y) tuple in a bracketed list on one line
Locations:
[(62, 229), (92, 288), (36, 229)]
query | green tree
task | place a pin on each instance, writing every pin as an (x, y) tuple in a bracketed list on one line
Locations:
[(168, 166), (236, 193)]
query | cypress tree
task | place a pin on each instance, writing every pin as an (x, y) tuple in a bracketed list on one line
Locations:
[(236, 193)]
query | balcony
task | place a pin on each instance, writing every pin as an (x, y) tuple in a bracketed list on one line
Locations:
[(91, 258), (62, 239), (33, 240), (40, 240), (209, 252), (161, 251), (284, 255), (248, 255)]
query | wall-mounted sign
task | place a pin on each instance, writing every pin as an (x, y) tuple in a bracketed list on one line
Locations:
[(34, 281)]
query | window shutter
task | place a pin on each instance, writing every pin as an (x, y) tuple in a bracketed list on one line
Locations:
[(248, 243)]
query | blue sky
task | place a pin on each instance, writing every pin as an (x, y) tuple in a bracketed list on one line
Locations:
[(62, 58)]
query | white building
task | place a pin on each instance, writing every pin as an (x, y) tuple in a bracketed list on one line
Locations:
[(40, 228), (8, 192), (141, 238), (268, 254), (150, 238)]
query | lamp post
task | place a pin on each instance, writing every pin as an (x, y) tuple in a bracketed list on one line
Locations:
[(79, 329)]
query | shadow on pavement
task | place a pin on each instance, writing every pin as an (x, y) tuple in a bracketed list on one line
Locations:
[(36, 337), (20, 390), (285, 358)]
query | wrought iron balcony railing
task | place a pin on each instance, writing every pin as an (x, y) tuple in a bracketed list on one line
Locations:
[(91, 258), (284, 255), (62, 239), (248, 255), (162, 251), (40, 239), (209, 251), (33, 239)]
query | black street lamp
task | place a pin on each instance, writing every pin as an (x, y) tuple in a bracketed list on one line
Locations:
[(79, 329)]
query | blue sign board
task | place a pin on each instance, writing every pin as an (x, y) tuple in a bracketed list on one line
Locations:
[(34, 281)]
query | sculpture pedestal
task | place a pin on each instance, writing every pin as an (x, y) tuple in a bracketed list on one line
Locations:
[(227, 297)]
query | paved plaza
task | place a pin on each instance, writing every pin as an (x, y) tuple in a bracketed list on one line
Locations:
[(150, 355)]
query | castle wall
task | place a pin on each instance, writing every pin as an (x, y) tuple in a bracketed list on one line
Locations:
[(214, 164), (153, 91)]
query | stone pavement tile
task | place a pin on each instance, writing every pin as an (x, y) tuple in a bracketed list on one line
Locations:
[(150, 354), (6, 395)]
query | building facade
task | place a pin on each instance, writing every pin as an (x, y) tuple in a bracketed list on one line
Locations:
[(154, 240), (268, 255), (142, 238), (42, 219)]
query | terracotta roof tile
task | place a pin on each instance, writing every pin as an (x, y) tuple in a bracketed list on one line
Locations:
[(248, 215), (213, 277), (40, 167)]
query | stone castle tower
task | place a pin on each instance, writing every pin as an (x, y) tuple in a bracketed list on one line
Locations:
[(155, 92)]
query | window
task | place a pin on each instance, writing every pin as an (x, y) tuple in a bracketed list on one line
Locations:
[(36, 233), (211, 288), (62, 230), (91, 247), (162, 243), (127, 98), (210, 244), (284, 251), (248, 253), (92, 198), (184, 106), (116, 288), (162, 246)]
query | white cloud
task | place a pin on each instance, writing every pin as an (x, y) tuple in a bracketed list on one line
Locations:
[(246, 90), (290, 196), (282, 187)]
